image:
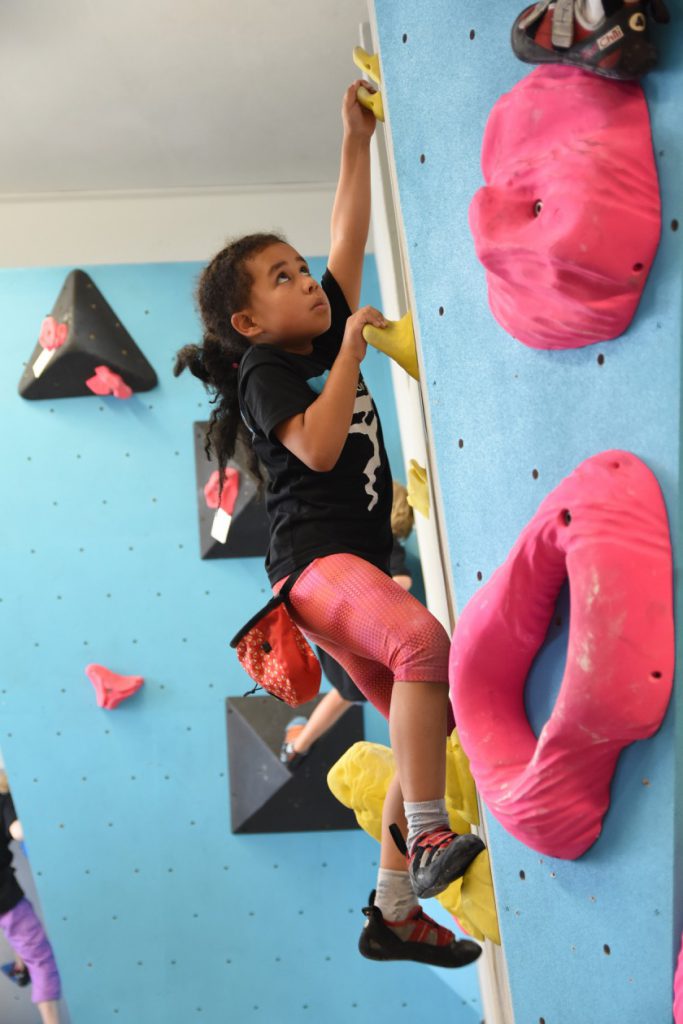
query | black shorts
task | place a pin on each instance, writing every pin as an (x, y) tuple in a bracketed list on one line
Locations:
[(339, 677)]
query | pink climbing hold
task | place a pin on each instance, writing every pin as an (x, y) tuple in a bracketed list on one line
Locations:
[(678, 989), (110, 687), (568, 223), (106, 382), (52, 334), (605, 527), (231, 486)]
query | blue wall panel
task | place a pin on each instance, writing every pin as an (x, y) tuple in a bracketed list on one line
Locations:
[(156, 911), (590, 940)]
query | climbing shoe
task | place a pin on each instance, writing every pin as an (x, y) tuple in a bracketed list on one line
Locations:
[(290, 757), (619, 47), (417, 938), (437, 858)]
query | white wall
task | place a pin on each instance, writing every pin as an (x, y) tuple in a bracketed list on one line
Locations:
[(152, 227)]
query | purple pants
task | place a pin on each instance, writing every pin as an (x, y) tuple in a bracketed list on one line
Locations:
[(27, 937)]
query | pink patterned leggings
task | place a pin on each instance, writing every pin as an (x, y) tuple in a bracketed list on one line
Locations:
[(374, 628)]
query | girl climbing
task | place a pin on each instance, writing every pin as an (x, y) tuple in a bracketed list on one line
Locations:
[(282, 354)]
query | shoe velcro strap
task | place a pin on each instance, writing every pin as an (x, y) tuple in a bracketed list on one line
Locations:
[(534, 14), (563, 24)]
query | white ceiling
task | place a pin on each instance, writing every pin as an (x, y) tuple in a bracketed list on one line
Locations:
[(183, 94)]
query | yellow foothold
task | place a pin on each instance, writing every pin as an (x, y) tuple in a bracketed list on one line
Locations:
[(368, 63), (397, 340), (371, 101), (418, 488), (360, 779)]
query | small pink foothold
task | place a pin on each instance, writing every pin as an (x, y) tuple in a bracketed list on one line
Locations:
[(106, 382), (52, 334), (110, 687), (231, 486)]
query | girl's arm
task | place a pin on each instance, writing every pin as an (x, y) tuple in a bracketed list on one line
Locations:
[(351, 210), (318, 435)]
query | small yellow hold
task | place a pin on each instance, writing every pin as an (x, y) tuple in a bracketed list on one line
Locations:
[(397, 340), (360, 780), (371, 101), (368, 63), (418, 488)]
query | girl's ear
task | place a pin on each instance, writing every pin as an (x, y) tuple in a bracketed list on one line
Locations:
[(244, 325)]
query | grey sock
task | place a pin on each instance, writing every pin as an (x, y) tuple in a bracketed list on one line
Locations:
[(424, 816), (394, 896)]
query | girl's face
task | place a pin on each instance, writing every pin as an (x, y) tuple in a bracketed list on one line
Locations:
[(287, 307)]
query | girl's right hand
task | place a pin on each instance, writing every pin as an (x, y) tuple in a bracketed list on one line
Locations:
[(353, 341)]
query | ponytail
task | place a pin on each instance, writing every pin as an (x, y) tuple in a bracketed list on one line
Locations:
[(224, 288)]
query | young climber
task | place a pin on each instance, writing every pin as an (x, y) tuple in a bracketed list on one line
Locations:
[(282, 355), (301, 733), (19, 921), (608, 37)]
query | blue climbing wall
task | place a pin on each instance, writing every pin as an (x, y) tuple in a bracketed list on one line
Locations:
[(591, 940), (156, 911)]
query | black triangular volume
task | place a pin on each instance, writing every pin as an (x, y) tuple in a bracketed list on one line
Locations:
[(94, 337), (249, 532), (264, 795)]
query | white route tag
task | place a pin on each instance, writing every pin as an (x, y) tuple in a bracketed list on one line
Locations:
[(42, 361), (220, 525)]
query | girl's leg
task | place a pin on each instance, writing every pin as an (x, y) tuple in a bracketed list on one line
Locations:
[(26, 935), (379, 632), (417, 726), (328, 711), (49, 1012)]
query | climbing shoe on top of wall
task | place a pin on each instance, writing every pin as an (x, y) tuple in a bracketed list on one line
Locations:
[(618, 46)]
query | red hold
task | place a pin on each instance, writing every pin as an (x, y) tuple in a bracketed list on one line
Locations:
[(110, 687), (228, 497), (52, 334), (106, 382)]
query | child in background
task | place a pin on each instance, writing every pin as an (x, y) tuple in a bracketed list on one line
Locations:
[(282, 355), (19, 921), (302, 733)]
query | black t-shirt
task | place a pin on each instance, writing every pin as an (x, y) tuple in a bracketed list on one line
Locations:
[(10, 890), (314, 514)]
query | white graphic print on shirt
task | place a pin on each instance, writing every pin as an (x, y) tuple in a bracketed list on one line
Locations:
[(364, 421)]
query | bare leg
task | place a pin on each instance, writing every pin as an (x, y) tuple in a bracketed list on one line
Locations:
[(417, 724), (49, 1012), (390, 856), (329, 710)]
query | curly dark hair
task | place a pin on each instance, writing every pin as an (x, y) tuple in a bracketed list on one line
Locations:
[(223, 289)]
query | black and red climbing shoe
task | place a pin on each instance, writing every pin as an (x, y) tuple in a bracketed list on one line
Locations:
[(417, 938), (549, 32), (437, 858)]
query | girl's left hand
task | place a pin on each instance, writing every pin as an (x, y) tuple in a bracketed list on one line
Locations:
[(357, 119)]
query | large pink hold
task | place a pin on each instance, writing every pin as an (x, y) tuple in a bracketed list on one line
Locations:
[(605, 527), (568, 223), (110, 687)]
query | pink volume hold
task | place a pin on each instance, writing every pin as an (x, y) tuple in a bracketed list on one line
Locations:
[(568, 223), (605, 527)]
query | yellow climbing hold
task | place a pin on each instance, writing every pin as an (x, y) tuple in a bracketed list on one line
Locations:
[(418, 488), (371, 101), (397, 340), (360, 780), (368, 63)]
